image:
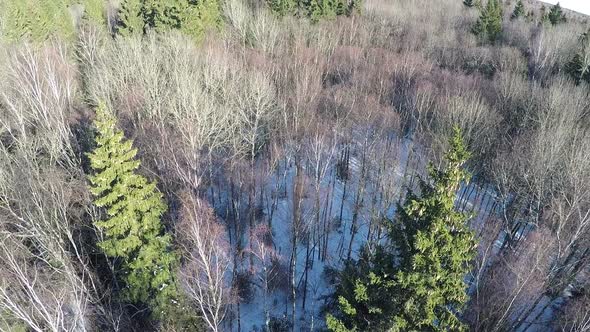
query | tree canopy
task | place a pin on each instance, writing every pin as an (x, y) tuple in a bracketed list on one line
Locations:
[(418, 282), (133, 231)]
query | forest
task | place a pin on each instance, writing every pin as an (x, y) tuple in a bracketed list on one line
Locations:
[(294, 165)]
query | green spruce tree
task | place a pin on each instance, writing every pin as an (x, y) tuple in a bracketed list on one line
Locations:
[(543, 15), (130, 17), (416, 283), (437, 247), (579, 66), (38, 20), (489, 25), (519, 10), (133, 232), (365, 297), (314, 10), (282, 7), (195, 19), (191, 17), (556, 15)]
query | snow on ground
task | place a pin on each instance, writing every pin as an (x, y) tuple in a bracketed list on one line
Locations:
[(252, 317)]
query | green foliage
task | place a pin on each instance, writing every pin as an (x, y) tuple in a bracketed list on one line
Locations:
[(191, 17), (433, 249), (489, 25), (556, 15), (439, 247), (40, 19), (579, 66), (130, 17), (282, 7), (519, 10), (366, 293), (196, 19), (315, 9), (544, 15), (132, 230)]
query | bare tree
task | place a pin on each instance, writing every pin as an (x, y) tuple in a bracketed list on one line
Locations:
[(263, 250), (205, 273), (576, 315), (507, 288)]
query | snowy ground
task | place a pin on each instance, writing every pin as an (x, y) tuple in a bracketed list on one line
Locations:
[(251, 314)]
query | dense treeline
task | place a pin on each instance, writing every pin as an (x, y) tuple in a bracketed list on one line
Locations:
[(286, 165)]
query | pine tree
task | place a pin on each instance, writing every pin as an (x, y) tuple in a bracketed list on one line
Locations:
[(436, 247), (329, 8), (416, 284), (519, 10), (133, 232), (556, 15), (130, 16), (544, 15), (191, 17), (489, 25), (314, 10), (579, 66), (282, 7), (195, 19), (365, 297), (40, 19)]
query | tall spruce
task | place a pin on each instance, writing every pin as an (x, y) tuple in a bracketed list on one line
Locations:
[(579, 66), (556, 15), (131, 17), (315, 9), (193, 18), (39, 20), (436, 248), (416, 283), (489, 25), (133, 232), (519, 10)]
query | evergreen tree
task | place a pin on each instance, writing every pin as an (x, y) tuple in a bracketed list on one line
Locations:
[(40, 19), (189, 16), (314, 10), (365, 296), (417, 283), (544, 14), (556, 15), (133, 232), (436, 247), (579, 66), (329, 8), (519, 10), (282, 7), (196, 19), (130, 17), (489, 25)]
